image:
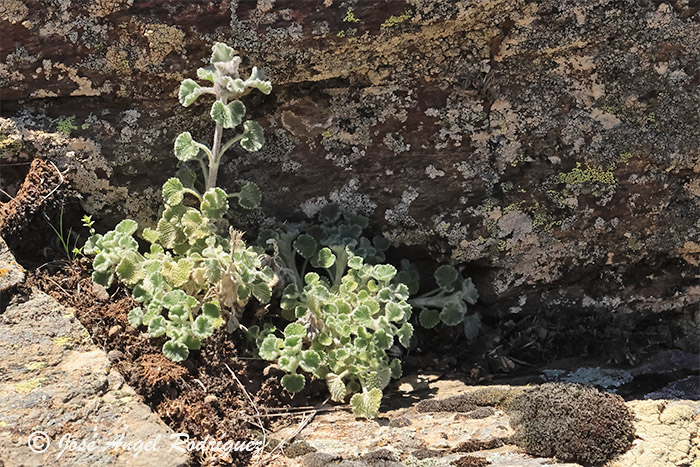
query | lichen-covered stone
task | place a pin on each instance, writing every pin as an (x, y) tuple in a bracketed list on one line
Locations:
[(551, 144)]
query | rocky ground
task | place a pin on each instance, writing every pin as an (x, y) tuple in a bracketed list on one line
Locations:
[(55, 380)]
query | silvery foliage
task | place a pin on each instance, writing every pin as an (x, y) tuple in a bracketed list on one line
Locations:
[(227, 111), (198, 272), (448, 302), (345, 312)]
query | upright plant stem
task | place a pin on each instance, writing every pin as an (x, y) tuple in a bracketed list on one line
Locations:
[(214, 165)]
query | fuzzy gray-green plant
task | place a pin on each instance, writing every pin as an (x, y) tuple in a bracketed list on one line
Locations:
[(345, 306), (198, 272)]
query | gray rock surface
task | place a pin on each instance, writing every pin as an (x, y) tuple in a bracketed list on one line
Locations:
[(667, 430), (11, 273), (56, 385)]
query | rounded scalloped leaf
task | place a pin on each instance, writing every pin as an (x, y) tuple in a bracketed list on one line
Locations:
[(157, 326), (202, 327), (135, 316), (253, 136), (192, 342), (214, 203), (228, 115), (104, 278), (310, 360), (262, 292), (453, 313), (176, 351), (446, 276), (150, 235), (236, 86), (259, 81), (173, 191), (294, 329), (270, 347), (208, 73), (404, 334), (305, 245), (366, 404), (381, 243), (293, 383), (323, 259), (174, 298), (362, 315), (102, 263), (336, 387), (129, 269), (249, 197), (395, 367), (382, 340), (469, 292), (429, 318), (472, 326), (383, 272), (185, 147), (189, 92), (221, 52), (211, 312), (127, 226), (378, 378)]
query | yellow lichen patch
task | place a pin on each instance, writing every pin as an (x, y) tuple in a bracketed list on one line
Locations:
[(25, 387), (162, 40), (35, 366), (63, 341), (3, 272)]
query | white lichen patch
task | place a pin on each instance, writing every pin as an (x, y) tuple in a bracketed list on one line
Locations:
[(399, 215), (433, 172), (350, 198)]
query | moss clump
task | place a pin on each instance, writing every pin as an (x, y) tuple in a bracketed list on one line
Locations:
[(571, 422)]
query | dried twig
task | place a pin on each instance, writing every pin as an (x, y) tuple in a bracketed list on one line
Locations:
[(255, 407), (269, 458), (57, 186)]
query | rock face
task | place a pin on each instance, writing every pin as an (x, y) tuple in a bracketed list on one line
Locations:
[(550, 146), (57, 388)]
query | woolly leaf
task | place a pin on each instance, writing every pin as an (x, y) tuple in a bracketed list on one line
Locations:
[(175, 350), (186, 148), (293, 382), (445, 276), (221, 52), (253, 136), (453, 312), (103, 278), (383, 272), (395, 367), (270, 347), (258, 80), (157, 326), (189, 92), (150, 235), (173, 298), (305, 245), (214, 203), (472, 326), (208, 73), (173, 191), (429, 318), (127, 227), (228, 115), (378, 378), (202, 327), (469, 292), (192, 342), (310, 360), (382, 340), (336, 387), (101, 263), (404, 334), (366, 404), (135, 316), (211, 312), (323, 259), (294, 329), (249, 196), (262, 292)]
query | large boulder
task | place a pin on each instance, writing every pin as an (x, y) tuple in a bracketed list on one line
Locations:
[(550, 146)]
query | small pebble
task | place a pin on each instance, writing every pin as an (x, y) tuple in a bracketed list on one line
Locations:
[(210, 399), (115, 355), (114, 330), (100, 293)]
